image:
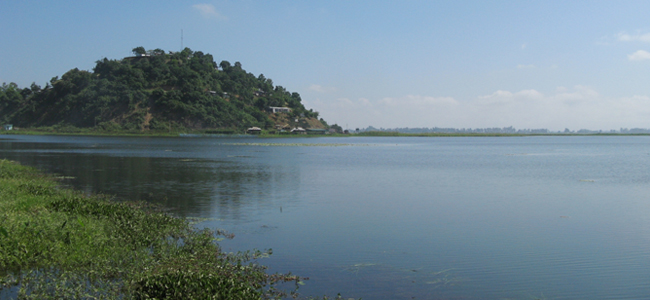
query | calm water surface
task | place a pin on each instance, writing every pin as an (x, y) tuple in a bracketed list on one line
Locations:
[(396, 218)]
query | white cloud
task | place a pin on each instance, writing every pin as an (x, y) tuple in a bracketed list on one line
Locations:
[(419, 101), (525, 66), (624, 37), (529, 94), (321, 89), (508, 98), (580, 94), (639, 55), (579, 107), (497, 94), (208, 11)]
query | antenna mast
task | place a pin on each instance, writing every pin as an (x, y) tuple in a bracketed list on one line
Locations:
[(181, 39)]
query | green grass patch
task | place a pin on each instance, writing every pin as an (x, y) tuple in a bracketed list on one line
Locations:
[(59, 244)]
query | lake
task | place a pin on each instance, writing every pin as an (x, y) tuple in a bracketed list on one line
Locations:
[(557, 217)]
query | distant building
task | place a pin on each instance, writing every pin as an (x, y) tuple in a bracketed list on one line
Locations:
[(298, 130), (9, 127), (275, 109), (254, 130)]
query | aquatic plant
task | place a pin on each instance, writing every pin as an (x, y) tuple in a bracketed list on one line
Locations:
[(57, 243)]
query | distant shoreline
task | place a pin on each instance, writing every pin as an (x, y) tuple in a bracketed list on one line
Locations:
[(198, 133)]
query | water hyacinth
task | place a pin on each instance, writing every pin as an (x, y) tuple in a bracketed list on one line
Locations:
[(57, 243)]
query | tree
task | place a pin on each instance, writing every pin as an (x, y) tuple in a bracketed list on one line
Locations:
[(186, 53), (337, 128), (139, 51), (225, 65), (35, 87), (184, 87)]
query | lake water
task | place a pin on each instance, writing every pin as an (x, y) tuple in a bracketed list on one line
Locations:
[(396, 217)]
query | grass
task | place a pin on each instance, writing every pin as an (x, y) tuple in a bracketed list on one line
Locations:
[(57, 243)]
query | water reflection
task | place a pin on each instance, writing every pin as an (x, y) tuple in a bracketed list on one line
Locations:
[(199, 187), (440, 218)]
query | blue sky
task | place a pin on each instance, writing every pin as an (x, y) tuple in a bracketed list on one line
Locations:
[(528, 64)]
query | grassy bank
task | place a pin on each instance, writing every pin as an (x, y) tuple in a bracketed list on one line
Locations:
[(57, 243)]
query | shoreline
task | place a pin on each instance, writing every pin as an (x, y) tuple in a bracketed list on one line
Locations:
[(203, 133), (58, 243)]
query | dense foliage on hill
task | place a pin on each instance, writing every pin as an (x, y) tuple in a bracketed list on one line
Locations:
[(154, 90)]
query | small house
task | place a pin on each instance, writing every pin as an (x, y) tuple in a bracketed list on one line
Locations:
[(254, 130), (275, 109), (298, 130)]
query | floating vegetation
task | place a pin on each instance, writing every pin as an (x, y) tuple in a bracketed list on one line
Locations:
[(296, 144), (197, 220), (357, 267), (434, 280), (443, 278), (57, 243)]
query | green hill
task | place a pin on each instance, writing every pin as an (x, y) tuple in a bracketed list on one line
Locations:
[(156, 90)]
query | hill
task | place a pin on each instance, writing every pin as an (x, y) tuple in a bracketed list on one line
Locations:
[(156, 90)]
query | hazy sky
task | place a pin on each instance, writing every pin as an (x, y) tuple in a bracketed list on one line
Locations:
[(527, 64)]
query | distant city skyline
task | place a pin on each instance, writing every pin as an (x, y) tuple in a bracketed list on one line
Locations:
[(460, 64)]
